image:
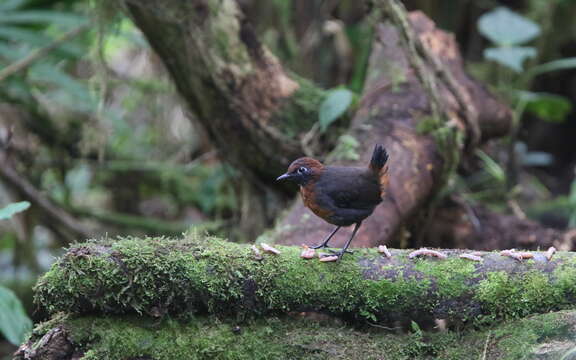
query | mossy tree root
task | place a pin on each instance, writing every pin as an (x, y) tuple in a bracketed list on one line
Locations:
[(158, 276)]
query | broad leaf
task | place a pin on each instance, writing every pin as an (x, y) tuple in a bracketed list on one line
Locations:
[(511, 57), (549, 107), (8, 211), (333, 107), (505, 27), (14, 323)]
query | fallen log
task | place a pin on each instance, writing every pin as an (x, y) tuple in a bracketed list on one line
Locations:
[(543, 336), (157, 276)]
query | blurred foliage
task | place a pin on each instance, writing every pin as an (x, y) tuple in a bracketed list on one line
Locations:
[(15, 325)]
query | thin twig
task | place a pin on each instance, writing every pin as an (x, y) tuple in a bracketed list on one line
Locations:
[(40, 53)]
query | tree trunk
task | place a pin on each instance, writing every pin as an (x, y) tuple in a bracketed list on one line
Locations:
[(198, 275)]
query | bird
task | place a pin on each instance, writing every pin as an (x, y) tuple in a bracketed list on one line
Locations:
[(340, 195)]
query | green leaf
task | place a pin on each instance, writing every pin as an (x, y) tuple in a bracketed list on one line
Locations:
[(548, 107), (70, 92), (511, 57), (26, 39), (14, 208), (505, 27), (14, 323), (41, 16), (556, 65), (492, 167), (335, 104), (16, 34)]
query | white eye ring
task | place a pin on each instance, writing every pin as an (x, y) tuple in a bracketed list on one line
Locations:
[(302, 170)]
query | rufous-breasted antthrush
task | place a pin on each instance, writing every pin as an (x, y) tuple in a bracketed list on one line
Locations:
[(341, 195)]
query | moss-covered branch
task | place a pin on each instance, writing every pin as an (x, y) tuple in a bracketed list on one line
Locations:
[(546, 336), (198, 275)]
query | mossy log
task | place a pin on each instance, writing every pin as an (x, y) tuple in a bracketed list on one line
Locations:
[(544, 336), (193, 275)]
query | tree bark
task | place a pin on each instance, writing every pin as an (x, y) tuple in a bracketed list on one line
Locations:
[(206, 275)]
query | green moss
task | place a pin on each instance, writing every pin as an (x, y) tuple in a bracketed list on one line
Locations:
[(401, 295), (427, 124), (126, 337), (565, 279), (346, 149), (301, 112), (504, 296), (453, 276)]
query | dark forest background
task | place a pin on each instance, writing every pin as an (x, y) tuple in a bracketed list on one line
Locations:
[(95, 142)]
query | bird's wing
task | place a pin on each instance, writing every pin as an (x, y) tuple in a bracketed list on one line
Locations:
[(352, 189), (345, 198)]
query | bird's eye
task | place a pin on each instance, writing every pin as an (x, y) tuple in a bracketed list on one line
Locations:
[(302, 170)]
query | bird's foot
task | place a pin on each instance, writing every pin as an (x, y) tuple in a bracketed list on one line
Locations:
[(336, 252), (321, 246)]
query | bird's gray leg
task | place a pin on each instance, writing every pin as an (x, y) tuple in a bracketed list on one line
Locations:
[(345, 248), (325, 243)]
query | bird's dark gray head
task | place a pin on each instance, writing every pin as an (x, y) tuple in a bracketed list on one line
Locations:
[(302, 170)]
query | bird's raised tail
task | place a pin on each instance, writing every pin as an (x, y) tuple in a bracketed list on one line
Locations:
[(379, 158)]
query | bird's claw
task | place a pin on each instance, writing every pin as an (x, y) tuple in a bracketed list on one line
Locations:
[(340, 252), (321, 246)]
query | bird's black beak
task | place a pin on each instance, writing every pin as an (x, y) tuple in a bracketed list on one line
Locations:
[(283, 177)]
